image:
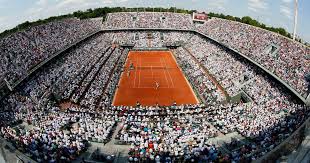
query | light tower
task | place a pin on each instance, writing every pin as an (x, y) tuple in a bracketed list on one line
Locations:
[(295, 19)]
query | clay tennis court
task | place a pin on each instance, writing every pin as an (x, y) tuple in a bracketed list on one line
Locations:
[(153, 77)]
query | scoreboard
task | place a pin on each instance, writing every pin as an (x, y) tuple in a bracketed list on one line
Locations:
[(201, 17)]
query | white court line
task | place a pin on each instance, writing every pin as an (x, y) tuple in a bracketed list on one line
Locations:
[(169, 75), (161, 63), (152, 74), (139, 71), (134, 82), (151, 87)]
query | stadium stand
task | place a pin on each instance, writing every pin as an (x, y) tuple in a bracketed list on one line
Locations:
[(64, 107), (23, 50), (282, 56), (148, 20)]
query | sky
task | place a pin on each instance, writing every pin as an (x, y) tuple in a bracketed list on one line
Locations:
[(277, 13)]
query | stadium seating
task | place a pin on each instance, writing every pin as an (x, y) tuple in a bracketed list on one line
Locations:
[(23, 50), (287, 59), (68, 104), (148, 20)]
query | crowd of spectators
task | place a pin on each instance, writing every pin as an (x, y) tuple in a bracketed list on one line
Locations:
[(282, 56), (56, 136), (102, 79), (181, 133), (195, 74), (88, 75), (22, 51), (151, 39), (218, 62), (165, 20), (110, 89), (178, 137)]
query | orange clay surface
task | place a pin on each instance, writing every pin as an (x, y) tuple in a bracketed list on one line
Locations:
[(149, 68)]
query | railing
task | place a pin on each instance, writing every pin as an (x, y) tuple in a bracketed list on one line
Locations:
[(19, 155), (288, 145)]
